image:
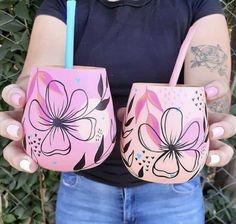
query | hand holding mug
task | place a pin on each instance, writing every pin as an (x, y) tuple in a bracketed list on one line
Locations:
[(11, 127), (222, 126)]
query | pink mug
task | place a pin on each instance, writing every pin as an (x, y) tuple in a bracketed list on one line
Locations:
[(164, 137), (68, 120)]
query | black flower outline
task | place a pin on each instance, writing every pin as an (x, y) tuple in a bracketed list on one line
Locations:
[(174, 146), (59, 120)]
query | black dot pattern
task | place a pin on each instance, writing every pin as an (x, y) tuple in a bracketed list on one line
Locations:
[(99, 135), (34, 142), (197, 100), (144, 160)]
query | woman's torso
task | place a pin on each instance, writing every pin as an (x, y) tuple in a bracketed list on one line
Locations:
[(136, 41)]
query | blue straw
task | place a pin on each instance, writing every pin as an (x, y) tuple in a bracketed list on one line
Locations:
[(70, 30)]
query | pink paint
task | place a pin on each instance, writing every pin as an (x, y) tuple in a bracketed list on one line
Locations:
[(69, 118), (174, 140)]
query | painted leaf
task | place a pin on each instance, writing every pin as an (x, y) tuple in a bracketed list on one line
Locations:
[(32, 85), (100, 151), (204, 125), (206, 113), (126, 148), (103, 104), (139, 106), (130, 159), (153, 99), (125, 162), (126, 133), (80, 164), (206, 139), (46, 79), (152, 121), (140, 173), (100, 87), (129, 122), (112, 132), (107, 82), (131, 104), (114, 139)]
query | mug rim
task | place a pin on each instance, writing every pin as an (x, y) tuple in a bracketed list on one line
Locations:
[(79, 67), (154, 84)]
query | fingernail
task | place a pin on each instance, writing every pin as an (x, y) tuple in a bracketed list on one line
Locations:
[(13, 130), (217, 132), (211, 91), (215, 159), (16, 98), (25, 165)]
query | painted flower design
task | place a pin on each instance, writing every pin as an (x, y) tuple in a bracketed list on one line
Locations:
[(176, 145), (63, 118)]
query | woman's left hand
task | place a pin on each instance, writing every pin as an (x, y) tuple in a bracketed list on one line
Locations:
[(222, 126)]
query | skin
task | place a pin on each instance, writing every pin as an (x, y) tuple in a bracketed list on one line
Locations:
[(48, 49), (213, 47)]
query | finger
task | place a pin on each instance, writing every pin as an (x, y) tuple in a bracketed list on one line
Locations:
[(18, 159), (15, 114), (222, 126), (121, 113), (219, 155), (214, 117), (216, 89), (14, 95), (9, 126)]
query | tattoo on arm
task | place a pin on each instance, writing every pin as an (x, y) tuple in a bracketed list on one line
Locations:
[(221, 105), (211, 57)]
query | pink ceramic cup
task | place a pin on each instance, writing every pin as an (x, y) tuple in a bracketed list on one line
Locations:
[(68, 120), (164, 137)]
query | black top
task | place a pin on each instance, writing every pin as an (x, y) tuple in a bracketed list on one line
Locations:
[(136, 41)]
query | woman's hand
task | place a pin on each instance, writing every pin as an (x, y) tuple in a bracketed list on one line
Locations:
[(11, 127), (221, 126), (45, 48)]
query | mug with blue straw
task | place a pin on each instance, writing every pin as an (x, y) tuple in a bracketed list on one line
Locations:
[(68, 119)]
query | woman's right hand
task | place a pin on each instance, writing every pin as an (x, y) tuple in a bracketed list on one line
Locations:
[(45, 48), (11, 128)]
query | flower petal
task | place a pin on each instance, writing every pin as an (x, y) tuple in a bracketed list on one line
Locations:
[(77, 106), (38, 118), (166, 165), (172, 125), (83, 129), (190, 137), (56, 142), (56, 101), (144, 132), (189, 160)]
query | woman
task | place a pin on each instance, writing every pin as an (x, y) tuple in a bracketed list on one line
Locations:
[(135, 40)]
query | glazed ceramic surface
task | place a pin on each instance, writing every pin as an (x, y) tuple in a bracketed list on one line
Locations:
[(164, 137), (69, 120)]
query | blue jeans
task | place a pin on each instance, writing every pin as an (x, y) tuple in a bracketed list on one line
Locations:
[(84, 201)]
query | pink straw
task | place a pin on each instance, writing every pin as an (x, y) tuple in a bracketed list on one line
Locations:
[(181, 57)]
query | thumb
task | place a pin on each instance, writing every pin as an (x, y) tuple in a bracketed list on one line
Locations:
[(14, 96), (121, 113)]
